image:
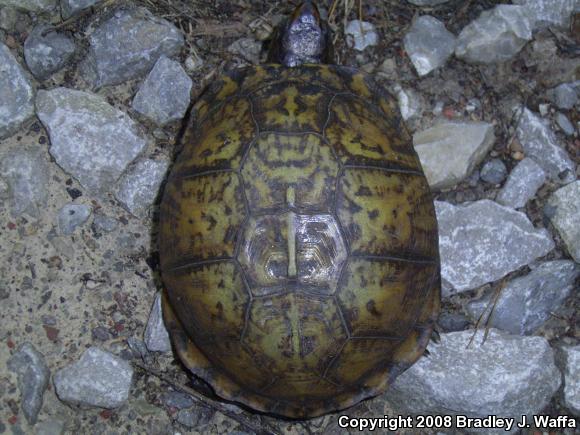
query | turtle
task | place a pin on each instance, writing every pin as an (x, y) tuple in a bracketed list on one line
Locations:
[(297, 234)]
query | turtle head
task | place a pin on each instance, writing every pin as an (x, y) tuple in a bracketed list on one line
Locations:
[(302, 38)]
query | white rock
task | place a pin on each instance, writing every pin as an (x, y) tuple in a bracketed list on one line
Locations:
[(429, 44), (564, 212), (450, 151), (361, 34), (483, 241), (522, 184), (495, 36), (156, 336)]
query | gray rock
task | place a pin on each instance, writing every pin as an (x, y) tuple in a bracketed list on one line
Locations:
[(568, 358), (72, 216), (483, 241), (493, 171), (449, 151), (177, 399), (522, 184), (128, 45), (8, 17), (105, 223), (97, 379), (427, 2), (565, 124), (195, 417), (540, 143), (156, 337), (565, 216), (360, 34), (248, 49), (16, 94), (429, 44), (507, 376), (546, 13), (495, 36), (51, 426), (564, 96), (33, 375), (453, 322), (165, 95), (139, 186), (525, 303), (47, 54), (71, 7), (410, 103), (26, 173), (90, 139), (42, 6)]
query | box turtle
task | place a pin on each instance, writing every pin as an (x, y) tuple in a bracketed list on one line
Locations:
[(298, 239)]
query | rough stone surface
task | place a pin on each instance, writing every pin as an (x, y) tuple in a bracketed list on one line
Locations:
[(525, 303), (195, 417), (105, 223), (90, 139), (427, 2), (483, 241), (507, 376), (248, 49), (564, 96), (51, 426), (26, 173), (522, 184), (97, 379), (410, 103), (495, 36), (541, 144), (177, 399), (16, 94), (569, 363), (128, 45), (156, 337), (33, 376), (546, 13), (361, 34), (72, 216), (139, 186), (451, 322), (47, 54), (565, 124), (429, 44), (564, 213), (71, 7), (165, 95), (450, 151), (31, 5), (493, 171)]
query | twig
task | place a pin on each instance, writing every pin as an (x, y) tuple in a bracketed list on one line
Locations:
[(260, 428), (496, 295)]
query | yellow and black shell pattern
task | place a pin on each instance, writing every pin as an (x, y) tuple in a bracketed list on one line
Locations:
[(298, 241)]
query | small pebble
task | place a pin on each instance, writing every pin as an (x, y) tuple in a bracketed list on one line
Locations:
[(72, 216), (493, 171), (360, 34), (565, 124)]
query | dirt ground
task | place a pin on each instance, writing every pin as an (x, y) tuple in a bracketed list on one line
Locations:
[(55, 290)]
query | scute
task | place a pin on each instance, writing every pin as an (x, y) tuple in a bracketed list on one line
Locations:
[(298, 241)]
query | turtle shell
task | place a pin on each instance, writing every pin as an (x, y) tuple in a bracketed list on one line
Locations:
[(298, 241)]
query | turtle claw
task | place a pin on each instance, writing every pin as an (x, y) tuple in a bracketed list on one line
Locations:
[(435, 336)]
